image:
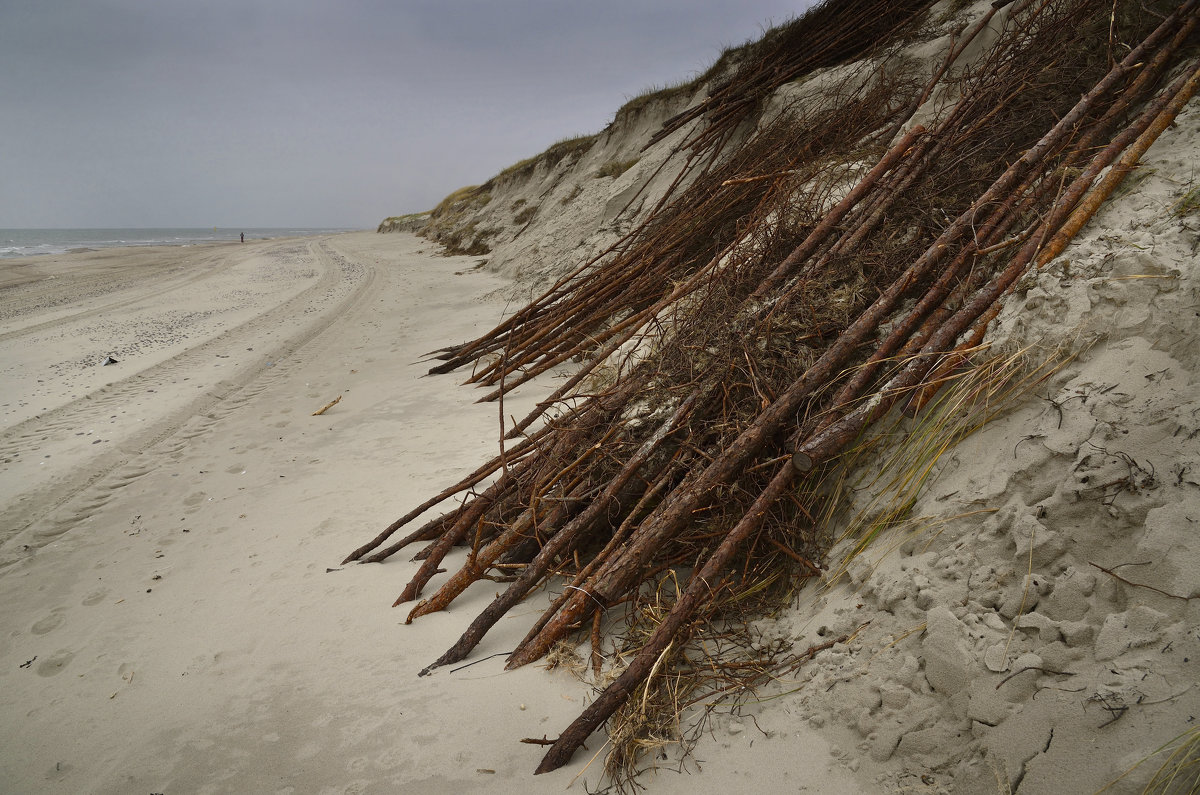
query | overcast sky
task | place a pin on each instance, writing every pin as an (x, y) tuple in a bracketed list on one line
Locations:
[(132, 113)]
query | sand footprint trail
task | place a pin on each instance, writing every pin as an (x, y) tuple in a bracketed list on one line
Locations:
[(61, 465)]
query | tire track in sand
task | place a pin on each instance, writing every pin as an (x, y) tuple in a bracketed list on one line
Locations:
[(43, 513), (205, 267)]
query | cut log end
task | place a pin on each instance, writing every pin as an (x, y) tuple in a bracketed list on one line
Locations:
[(802, 461), (555, 758)]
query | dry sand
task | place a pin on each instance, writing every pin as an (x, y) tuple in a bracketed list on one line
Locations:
[(168, 526)]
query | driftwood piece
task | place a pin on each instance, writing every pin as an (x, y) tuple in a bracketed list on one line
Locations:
[(327, 406)]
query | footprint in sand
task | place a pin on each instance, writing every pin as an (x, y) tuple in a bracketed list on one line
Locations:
[(95, 597), (48, 623), (194, 499), (56, 664), (59, 771)]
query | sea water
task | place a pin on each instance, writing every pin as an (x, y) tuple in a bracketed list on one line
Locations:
[(32, 242)]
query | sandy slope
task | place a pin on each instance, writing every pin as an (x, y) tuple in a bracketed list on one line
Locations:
[(171, 623), (1033, 625)]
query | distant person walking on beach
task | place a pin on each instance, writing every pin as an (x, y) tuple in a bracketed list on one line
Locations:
[(243, 237)]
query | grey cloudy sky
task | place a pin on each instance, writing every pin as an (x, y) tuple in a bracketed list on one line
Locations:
[(305, 113)]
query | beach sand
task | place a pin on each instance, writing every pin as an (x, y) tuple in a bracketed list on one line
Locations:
[(171, 529)]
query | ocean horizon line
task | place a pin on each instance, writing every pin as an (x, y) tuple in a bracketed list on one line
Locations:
[(17, 242)]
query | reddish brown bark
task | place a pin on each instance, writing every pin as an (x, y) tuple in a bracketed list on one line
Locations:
[(699, 588), (561, 541), (1063, 224)]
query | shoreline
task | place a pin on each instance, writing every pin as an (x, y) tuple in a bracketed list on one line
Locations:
[(25, 243)]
